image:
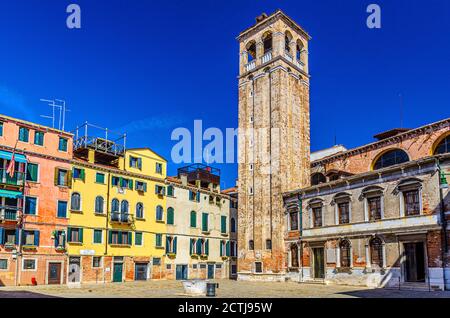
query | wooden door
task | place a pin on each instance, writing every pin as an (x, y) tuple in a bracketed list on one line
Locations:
[(54, 273)]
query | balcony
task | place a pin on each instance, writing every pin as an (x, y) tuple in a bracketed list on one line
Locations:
[(124, 218), (9, 213), (300, 64), (288, 56), (250, 66), (266, 57), (16, 180)]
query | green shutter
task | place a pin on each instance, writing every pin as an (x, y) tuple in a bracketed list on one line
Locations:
[(170, 216), (130, 238), (191, 244), (130, 184), (207, 247), (110, 237), (193, 219), (228, 248), (81, 235), (205, 222), (223, 225)]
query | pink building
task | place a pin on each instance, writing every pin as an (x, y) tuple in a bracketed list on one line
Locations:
[(33, 203)]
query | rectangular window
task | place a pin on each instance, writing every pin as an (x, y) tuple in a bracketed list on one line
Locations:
[(31, 238), (374, 205), (98, 235), (138, 239), (205, 222), (159, 168), (258, 267), (78, 173), (32, 172), (96, 262), (317, 216), (223, 224), (268, 244), (135, 162), (39, 138), (344, 212), (125, 183), (1, 129), (156, 261), (24, 134), (3, 264), (158, 240), (29, 264), (62, 146), (75, 235), (100, 178), (160, 190), (115, 181), (10, 236), (194, 196), (412, 202), (113, 237), (62, 209), (293, 218), (30, 205), (141, 186), (62, 177)]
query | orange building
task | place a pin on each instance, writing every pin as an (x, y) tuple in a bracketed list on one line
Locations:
[(33, 203)]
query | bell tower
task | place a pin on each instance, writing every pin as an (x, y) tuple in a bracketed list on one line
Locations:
[(274, 139)]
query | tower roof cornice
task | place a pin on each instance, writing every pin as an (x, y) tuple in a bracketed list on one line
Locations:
[(279, 14)]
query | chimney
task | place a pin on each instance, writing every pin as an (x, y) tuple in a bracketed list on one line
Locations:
[(261, 17), (183, 178)]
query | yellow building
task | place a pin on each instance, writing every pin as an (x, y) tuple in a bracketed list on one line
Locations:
[(116, 213)]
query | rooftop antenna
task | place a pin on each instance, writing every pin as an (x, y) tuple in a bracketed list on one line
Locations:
[(57, 105)]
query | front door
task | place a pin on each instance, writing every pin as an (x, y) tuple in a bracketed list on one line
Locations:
[(182, 272), (319, 263), (54, 273), (414, 262), (140, 272), (117, 275), (210, 271), (74, 270)]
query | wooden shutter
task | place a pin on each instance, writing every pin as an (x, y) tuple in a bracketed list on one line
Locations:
[(199, 247), (57, 238), (130, 238), (191, 245), (109, 236), (69, 178), (223, 225), (193, 219), (228, 248), (36, 238), (175, 245), (139, 160), (167, 245), (130, 184), (221, 248), (207, 247), (56, 176), (2, 236), (198, 196), (80, 234)]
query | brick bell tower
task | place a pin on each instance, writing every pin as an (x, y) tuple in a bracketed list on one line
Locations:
[(274, 139)]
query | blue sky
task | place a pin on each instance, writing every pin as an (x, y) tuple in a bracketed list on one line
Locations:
[(151, 66)]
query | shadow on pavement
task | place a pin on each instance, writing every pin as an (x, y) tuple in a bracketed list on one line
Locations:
[(23, 294), (394, 293)]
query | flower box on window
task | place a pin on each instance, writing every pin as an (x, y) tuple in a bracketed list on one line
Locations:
[(196, 256), (171, 255), (224, 258), (29, 248), (60, 249), (203, 256)]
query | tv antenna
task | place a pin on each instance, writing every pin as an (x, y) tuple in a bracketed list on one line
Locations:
[(58, 112)]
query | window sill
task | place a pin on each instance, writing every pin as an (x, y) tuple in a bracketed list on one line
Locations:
[(160, 221), (140, 219), (120, 245), (76, 211), (99, 214), (159, 247), (75, 243), (206, 232), (224, 234)]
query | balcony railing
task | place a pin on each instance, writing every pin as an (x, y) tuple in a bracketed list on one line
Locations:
[(9, 213), (300, 64), (288, 56), (250, 65), (16, 180), (118, 217), (266, 57)]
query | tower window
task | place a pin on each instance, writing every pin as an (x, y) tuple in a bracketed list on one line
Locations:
[(251, 51), (318, 178), (268, 244), (251, 245), (267, 42)]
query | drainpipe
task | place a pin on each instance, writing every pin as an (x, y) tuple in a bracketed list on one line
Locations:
[(107, 213), (443, 221)]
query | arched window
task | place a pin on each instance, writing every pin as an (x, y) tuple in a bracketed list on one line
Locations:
[(299, 51), (124, 206), (318, 178), (344, 247), (376, 252), (267, 42), (443, 146), (140, 210), (233, 225), (390, 158), (115, 206), (287, 41), (75, 202), (251, 51), (99, 204), (170, 216), (159, 213), (294, 255), (193, 219)]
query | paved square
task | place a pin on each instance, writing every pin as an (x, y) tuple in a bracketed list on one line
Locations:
[(227, 289)]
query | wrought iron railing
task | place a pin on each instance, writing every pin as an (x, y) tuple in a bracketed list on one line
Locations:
[(119, 217)]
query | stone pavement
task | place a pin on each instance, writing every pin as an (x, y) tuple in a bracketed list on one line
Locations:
[(227, 289)]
